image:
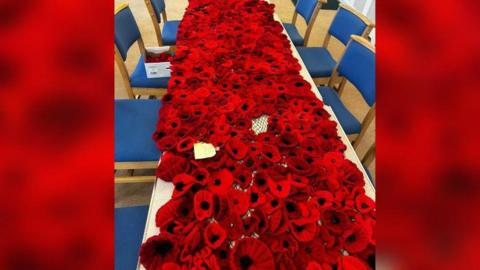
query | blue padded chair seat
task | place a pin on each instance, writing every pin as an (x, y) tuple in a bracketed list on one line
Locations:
[(318, 60), (292, 32), (135, 122), (169, 32), (129, 228), (139, 77), (349, 123)]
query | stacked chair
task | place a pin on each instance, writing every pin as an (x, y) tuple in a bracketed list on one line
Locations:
[(126, 34), (308, 10), (347, 22), (168, 34), (357, 65)]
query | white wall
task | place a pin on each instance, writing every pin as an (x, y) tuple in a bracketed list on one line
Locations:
[(367, 7)]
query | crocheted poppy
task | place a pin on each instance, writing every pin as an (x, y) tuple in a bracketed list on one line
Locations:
[(304, 230), (182, 182), (280, 189), (313, 265), (356, 239), (250, 253), (260, 180), (364, 204), (323, 199), (220, 182), (157, 251), (186, 144), (203, 204), (271, 153), (299, 166), (256, 197), (201, 175), (335, 221), (171, 165), (214, 235), (238, 201), (243, 177)]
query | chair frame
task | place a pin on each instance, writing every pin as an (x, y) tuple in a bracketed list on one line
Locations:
[(308, 31), (367, 120), (328, 36), (130, 166), (156, 24), (369, 155), (134, 92)]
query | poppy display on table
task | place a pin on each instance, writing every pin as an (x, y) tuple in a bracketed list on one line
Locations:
[(286, 198)]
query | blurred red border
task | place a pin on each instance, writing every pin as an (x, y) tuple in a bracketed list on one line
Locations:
[(428, 159), (56, 134)]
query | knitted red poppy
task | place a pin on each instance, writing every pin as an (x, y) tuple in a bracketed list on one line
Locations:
[(250, 253)]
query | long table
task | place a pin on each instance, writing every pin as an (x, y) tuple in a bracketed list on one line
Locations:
[(162, 191)]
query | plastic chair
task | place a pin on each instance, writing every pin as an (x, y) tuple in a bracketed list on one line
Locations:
[(347, 22), (168, 34), (126, 34), (135, 122), (357, 65), (129, 229), (308, 9)]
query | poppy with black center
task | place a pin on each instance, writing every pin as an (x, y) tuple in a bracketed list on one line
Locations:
[(221, 181), (251, 253), (157, 251), (202, 202)]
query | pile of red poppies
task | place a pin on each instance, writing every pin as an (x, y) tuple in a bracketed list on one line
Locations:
[(283, 199)]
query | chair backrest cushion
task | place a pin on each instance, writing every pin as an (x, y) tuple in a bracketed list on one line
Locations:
[(126, 31), (344, 24), (158, 7), (305, 8), (358, 66)]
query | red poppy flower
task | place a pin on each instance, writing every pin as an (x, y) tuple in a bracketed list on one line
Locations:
[(357, 238), (335, 221), (201, 175), (243, 178), (364, 203), (238, 201), (220, 182), (288, 140), (272, 204), (157, 251), (299, 166), (214, 235), (256, 197), (271, 153), (323, 199), (250, 253), (260, 180), (203, 204), (166, 143), (182, 182), (171, 165), (167, 212), (280, 189), (304, 230), (185, 144)]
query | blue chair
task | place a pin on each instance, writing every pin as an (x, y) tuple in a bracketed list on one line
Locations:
[(168, 34), (357, 65), (347, 22), (129, 229), (135, 122), (308, 9), (126, 34)]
